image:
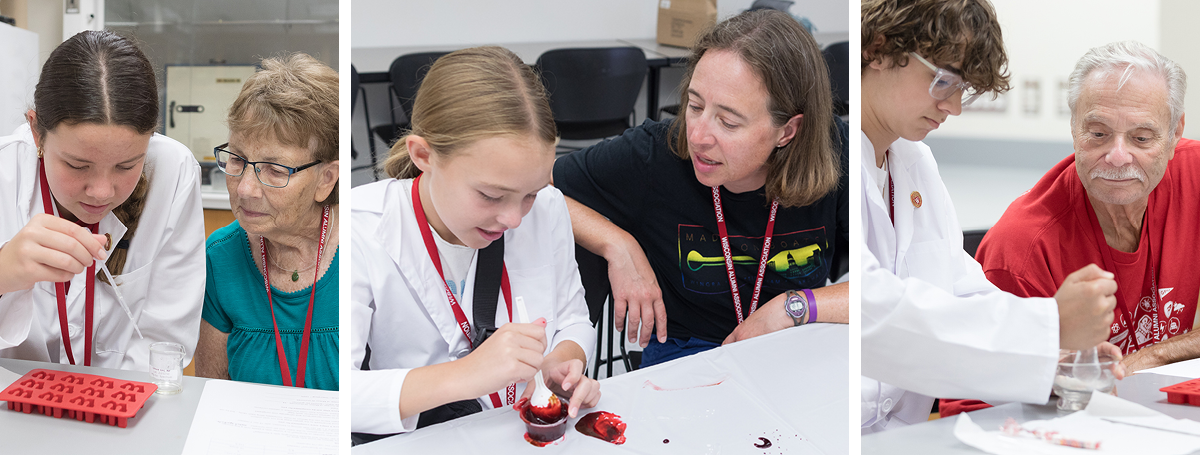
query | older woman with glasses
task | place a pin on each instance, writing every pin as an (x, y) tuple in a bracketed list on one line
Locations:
[(271, 303)]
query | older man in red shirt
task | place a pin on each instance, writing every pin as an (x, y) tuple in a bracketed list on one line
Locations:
[(1117, 203)]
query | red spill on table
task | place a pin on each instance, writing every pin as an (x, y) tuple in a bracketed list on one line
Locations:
[(603, 425), (661, 389)]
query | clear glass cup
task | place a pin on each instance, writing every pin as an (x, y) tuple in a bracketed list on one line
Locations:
[(166, 367), (1077, 376)]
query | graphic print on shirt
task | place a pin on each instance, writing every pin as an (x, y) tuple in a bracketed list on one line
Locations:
[(795, 258)]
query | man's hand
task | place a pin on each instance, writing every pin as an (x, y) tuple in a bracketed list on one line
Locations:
[(1085, 308)]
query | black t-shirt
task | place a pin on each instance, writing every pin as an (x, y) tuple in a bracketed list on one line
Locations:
[(643, 187)]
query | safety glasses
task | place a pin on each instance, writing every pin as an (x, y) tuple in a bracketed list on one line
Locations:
[(945, 83)]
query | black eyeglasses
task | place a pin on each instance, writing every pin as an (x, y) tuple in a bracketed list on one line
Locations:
[(274, 175)]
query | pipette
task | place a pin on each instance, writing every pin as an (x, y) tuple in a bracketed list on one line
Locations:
[(120, 298)]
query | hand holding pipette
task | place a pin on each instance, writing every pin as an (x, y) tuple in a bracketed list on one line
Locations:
[(48, 248)]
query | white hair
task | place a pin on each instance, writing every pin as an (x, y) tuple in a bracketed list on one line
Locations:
[(1125, 56)]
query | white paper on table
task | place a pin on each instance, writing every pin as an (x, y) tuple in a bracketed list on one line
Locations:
[(1187, 369), (1092, 425), (239, 417)]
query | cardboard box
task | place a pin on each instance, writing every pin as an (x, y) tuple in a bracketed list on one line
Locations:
[(681, 21)]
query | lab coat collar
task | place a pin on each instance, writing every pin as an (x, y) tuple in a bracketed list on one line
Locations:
[(412, 259), (902, 156)]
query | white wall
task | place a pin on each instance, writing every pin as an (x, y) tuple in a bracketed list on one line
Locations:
[(1179, 38), (389, 23), (1044, 39), (18, 75)]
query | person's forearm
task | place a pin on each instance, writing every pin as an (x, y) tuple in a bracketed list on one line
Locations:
[(431, 386), (833, 303), (1177, 349), (596, 233)]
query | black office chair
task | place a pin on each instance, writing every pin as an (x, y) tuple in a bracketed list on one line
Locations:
[(355, 89), (593, 271), (971, 240), (837, 57), (593, 91), (406, 73)]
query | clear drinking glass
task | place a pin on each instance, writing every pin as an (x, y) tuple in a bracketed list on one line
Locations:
[(166, 367), (1078, 374)]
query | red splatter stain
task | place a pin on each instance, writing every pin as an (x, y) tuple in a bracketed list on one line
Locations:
[(666, 441), (661, 389), (764, 443), (602, 425)]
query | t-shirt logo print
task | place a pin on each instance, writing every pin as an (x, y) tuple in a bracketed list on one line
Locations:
[(794, 259)]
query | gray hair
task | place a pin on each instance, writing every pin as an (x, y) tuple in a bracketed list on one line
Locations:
[(1127, 56)]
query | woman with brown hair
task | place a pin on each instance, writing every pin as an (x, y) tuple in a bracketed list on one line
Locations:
[(465, 237), (88, 188), (740, 200), (271, 301)]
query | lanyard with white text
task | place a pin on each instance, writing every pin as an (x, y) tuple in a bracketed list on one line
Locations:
[(762, 263), (284, 371), (1111, 266), (891, 190), (463, 323), (60, 289)]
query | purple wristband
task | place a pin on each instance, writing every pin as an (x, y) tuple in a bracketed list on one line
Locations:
[(812, 306)]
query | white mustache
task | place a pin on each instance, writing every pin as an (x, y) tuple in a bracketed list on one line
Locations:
[(1123, 173)]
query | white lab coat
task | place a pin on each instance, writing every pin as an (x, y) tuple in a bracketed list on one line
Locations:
[(932, 325), (162, 280), (399, 304)]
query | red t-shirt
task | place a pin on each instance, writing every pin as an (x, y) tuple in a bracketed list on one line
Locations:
[(1051, 231)]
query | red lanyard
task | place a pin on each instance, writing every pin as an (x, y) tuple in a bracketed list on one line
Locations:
[(762, 263), (1111, 266), (60, 289), (303, 360), (891, 190), (463, 323)]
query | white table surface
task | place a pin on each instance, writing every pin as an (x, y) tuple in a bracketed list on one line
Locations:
[(937, 436), (160, 427), (797, 379)]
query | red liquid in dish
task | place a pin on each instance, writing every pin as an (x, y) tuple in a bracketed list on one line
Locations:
[(605, 426), (540, 432)]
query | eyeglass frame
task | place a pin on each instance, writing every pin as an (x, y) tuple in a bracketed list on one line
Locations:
[(254, 164), (940, 73)]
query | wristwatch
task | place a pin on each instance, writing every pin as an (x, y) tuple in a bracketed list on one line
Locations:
[(796, 306)]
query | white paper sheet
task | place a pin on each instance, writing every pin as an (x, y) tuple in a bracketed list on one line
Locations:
[(1186, 369), (1134, 435), (243, 418)]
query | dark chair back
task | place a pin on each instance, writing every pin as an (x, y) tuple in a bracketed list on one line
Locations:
[(593, 90), (593, 271), (837, 57), (971, 240), (407, 72)]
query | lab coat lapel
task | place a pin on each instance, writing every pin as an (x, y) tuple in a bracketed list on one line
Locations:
[(412, 259), (904, 157)]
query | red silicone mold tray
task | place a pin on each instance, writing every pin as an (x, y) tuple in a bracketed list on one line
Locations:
[(1187, 392), (79, 396)]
